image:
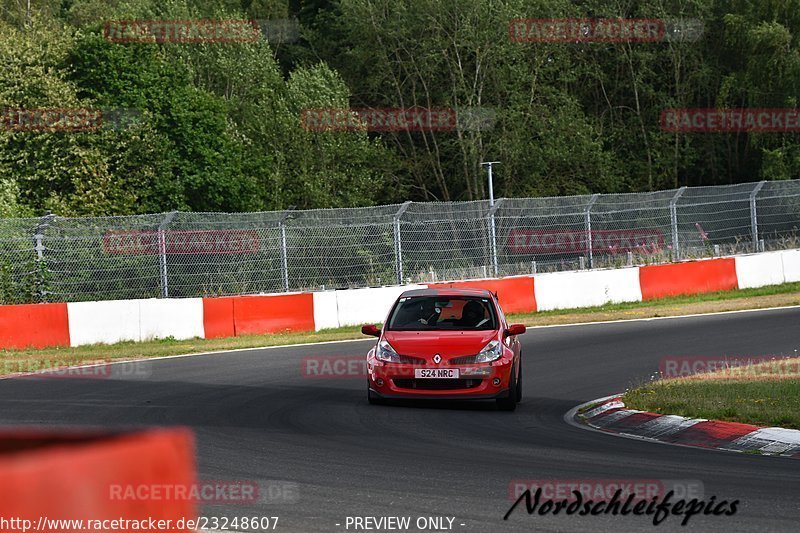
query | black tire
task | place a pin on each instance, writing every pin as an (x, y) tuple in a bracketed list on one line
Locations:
[(509, 403), (519, 381), (373, 398)]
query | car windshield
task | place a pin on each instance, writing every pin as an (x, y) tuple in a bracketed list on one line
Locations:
[(443, 313)]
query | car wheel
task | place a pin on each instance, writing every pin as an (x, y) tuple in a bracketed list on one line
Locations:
[(509, 403), (519, 381), (373, 398)]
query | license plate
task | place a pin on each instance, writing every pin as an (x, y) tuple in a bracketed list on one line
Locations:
[(436, 373)]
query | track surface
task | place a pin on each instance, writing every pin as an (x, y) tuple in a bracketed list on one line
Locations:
[(257, 417)]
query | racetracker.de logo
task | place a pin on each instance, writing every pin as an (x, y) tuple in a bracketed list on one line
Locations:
[(334, 367), (397, 119), (77, 119), (182, 31), (703, 120), (209, 492), (65, 369), (741, 365), (609, 30), (52, 119), (566, 241), (604, 489), (205, 492), (587, 30)]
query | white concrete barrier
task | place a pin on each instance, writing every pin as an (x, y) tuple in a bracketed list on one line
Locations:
[(367, 306), (134, 320), (107, 322), (570, 290), (759, 270), (326, 312), (791, 265), (179, 318)]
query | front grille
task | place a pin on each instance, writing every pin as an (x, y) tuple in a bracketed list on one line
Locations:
[(437, 384), (463, 360), (408, 360)]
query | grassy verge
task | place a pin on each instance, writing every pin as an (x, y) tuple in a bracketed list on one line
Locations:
[(13, 361), (771, 296), (766, 394)]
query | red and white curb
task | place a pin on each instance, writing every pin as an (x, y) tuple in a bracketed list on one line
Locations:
[(609, 415)]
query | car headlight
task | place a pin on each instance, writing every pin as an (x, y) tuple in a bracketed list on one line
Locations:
[(385, 352), (491, 352)]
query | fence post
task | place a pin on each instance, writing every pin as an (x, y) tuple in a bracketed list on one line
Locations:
[(398, 246), (754, 213), (588, 228), (38, 246), (162, 253), (284, 251), (493, 236), (673, 215)]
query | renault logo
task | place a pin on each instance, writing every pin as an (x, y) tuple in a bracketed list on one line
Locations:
[(437, 358)]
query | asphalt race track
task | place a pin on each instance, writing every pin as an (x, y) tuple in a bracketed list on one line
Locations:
[(257, 417)]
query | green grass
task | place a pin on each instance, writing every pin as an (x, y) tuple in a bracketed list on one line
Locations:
[(761, 402), (12, 361)]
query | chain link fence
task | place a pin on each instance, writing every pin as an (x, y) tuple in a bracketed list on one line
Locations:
[(177, 254)]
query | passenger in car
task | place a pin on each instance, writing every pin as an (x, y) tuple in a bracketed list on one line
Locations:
[(472, 314)]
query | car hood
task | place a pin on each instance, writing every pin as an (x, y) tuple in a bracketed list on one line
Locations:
[(425, 344)]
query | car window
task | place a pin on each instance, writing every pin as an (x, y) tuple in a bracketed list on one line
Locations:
[(443, 313)]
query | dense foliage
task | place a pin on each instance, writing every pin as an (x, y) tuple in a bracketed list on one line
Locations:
[(217, 126)]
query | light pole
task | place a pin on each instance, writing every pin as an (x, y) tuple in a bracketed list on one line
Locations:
[(492, 232), (491, 180)]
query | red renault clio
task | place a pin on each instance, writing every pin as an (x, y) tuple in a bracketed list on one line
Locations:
[(446, 344)]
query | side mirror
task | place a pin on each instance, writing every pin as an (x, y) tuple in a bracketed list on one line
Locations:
[(372, 330), (515, 329)]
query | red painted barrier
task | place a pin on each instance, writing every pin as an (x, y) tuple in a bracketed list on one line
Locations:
[(218, 318), (711, 433), (695, 277), (33, 326), (42, 325), (273, 314), (51, 476), (515, 294)]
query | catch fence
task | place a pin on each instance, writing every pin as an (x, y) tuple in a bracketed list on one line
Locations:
[(180, 254)]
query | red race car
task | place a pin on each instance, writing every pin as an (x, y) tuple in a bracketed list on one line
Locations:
[(446, 344)]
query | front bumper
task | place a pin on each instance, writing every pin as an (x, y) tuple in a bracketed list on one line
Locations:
[(404, 396), (391, 380)]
